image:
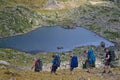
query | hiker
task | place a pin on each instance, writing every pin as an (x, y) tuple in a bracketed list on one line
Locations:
[(37, 65), (73, 62), (85, 59), (107, 61), (34, 62), (114, 55), (55, 63), (90, 61), (102, 44)]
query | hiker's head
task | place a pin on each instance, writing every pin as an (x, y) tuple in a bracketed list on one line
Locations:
[(85, 52), (106, 49), (71, 55), (53, 56)]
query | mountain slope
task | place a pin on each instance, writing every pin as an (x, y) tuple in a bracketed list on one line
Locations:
[(21, 16)]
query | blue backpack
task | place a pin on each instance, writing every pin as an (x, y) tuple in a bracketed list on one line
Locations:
[(56, 61), (74, 61), (91, 56)]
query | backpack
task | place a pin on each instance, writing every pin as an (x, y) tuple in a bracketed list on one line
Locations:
[(74, 62), (91, 57), (38, 65), (56, 61), (113, 55)]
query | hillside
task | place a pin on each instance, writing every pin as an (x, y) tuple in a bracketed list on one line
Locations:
[(19, 64), (21, 16)]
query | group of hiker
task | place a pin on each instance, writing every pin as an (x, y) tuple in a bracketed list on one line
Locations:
[(73, 62)]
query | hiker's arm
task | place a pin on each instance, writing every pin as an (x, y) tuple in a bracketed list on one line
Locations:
[(108, 56)]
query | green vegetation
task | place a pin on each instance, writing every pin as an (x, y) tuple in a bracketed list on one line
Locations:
[(15, 57), (64, 0), (111, 35), (94, 27), (61, 75), (15, 20)]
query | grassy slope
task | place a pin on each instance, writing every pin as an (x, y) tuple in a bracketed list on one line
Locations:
[(101, 18), (24, 60), (62, 75), (16, 17)]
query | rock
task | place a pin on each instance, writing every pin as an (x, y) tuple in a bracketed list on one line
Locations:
[(115, 63), (12, 78), (4, 62), (99, 63), (51, 4)]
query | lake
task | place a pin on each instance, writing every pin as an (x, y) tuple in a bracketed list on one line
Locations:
[(53, 39)]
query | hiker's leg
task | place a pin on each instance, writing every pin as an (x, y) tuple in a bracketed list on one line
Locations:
[(88, 66), (52, 69), (55, 69), (108, 68), (35, 69), (71, 70)]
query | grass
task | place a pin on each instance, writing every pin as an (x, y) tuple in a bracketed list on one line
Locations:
[(64, 0), (30, 3), (62, 75), (111, 35), (15, 57), (15, 20), (94, 27)]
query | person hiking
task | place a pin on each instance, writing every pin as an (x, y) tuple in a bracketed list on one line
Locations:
[(84, 59), (114, 55), (37, 65), (55, 63), (34, 62), (107, 61), (73, 62), (102, 44), (90, 61)]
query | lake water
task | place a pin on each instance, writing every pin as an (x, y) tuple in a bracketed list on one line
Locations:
[(49, 39)]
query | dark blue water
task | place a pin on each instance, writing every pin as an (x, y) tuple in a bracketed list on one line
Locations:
[(48, 39)]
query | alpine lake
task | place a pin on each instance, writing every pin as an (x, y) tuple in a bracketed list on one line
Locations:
[(53, 39)]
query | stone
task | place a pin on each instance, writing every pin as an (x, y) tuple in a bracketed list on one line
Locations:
[(115, 63), (99, 63), (4, 62)]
